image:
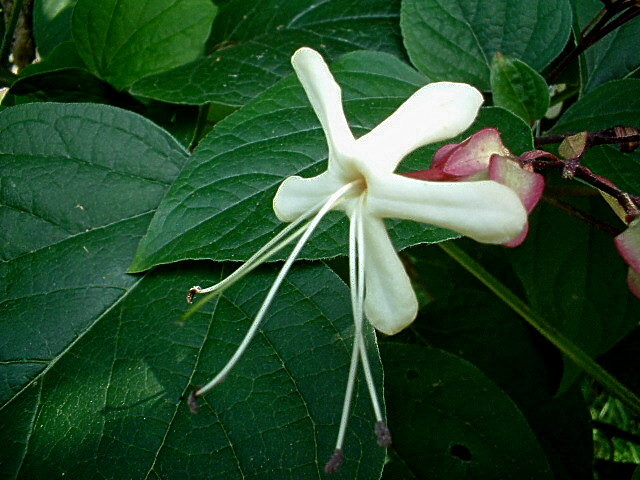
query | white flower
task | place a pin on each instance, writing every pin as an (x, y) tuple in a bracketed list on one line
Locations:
[(359, 180)]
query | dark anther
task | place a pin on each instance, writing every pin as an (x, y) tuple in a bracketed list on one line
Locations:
[(383, 434), (335, 462), (192, 293), (193, 401)]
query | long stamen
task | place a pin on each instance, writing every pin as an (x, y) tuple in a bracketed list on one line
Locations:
[(328, 205), (261, 256), (336, 460), (269, 249), (382, 432)]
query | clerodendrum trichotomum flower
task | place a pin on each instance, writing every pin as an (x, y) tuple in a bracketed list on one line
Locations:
[(361, 182)]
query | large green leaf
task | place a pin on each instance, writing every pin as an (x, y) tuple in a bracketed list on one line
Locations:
[(122, 41), (111, 405), (254, 42), (613, 57), (220, 207), (454, 40), (464, 319), (51, 23), (450, 421), (93, 363), (615, 103), (62, 194)]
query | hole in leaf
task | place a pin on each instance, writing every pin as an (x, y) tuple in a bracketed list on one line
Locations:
[(412, 374), (461, 452)]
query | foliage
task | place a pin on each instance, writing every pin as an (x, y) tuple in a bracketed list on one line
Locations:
[(141, 155)]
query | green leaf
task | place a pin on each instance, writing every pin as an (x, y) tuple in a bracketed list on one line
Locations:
[(122, 41), (450, 421), (62, 195), (255, 41), (573, 273), (111, 405), (117, 149), (613, 57), (464, 319), (220, 207), (63, 56), (93, 364), (615, 103), (455, 41), (64, 85), (51, 24), (518, 88)]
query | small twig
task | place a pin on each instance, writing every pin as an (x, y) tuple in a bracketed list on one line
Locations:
[(540, 160), (605, 22), (11, 27), (584, 216), (551, 139), (601, 137)]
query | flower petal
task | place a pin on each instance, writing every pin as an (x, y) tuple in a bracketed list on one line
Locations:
[(325, 97), (473, 155), (296, 195), (484, 210), (436, 112), (527, 184), (390, 303), (516, 242), (628, 244)]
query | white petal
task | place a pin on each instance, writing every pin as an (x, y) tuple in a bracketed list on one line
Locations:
[(325, 97), (296, 195), (485, 211), (436, 112), (390, 303)]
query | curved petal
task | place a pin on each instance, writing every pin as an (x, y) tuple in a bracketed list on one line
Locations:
[(628, 244), (485, 211), (436, 112), (390, 303), (527, 184), (325, 97), (296, 195), (516, 242)]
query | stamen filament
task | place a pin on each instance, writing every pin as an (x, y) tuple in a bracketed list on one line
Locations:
[(268, 250), (357, 284), (353, 366), (264, 252), (254, 262), (328, 205), (360, 312)]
